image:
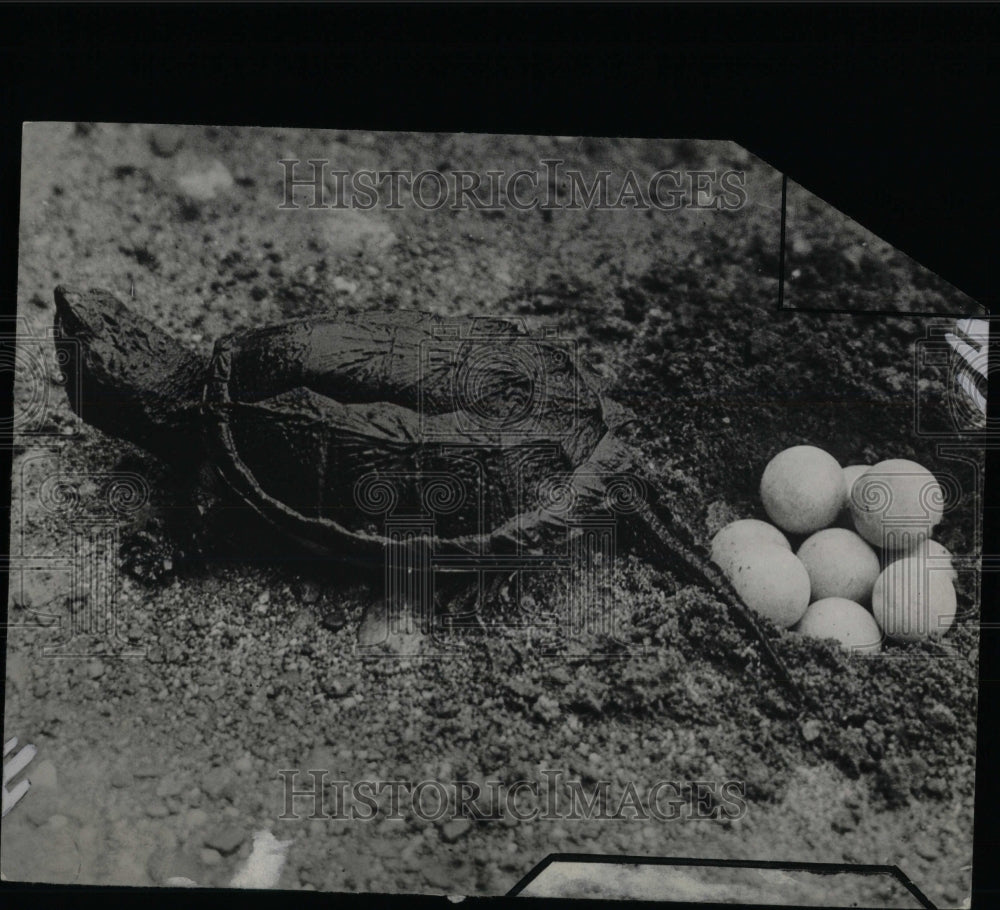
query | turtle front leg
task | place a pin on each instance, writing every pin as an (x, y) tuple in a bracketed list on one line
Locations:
[(148, 553), (178, 535)]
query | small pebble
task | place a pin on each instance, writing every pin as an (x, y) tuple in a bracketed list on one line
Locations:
[(169, 786), (157, 810), (224, 838), (843, 822), (344, 285), (927, 849), (43, 775), (547, 709), (811, 730), (455, 829), (179, 881), (339, 688), (309, 592), (334, 619), (40, 807), (166, 140), (438, 875), (205, 184), (18, 670), (166, 864), (217, 782), (150, 769)]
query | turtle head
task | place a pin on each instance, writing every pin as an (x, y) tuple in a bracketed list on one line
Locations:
[(128, 377)]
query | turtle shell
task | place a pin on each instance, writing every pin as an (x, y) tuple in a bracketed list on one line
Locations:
[(347, 433)]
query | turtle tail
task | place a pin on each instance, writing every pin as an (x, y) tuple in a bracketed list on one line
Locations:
[(683, 558), (672, 545)]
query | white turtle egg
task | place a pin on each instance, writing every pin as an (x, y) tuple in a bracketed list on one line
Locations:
[(844, 620), (840, 564), (937, 556), (747, 533), (802, 489), (911, 601), (895, 503), (773, 582), (851, 473)]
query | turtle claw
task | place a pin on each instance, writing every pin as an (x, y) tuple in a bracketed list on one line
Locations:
[(465, 627), (153, 555), (149, 558)]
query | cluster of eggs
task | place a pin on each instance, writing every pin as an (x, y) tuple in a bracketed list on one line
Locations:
[(847, 517)]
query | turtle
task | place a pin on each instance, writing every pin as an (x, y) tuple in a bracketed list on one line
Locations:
[(324, 428)]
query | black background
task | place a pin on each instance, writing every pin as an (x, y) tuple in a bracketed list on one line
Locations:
[(887, 112)]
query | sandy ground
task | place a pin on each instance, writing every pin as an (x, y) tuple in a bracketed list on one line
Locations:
[(166, 764)]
